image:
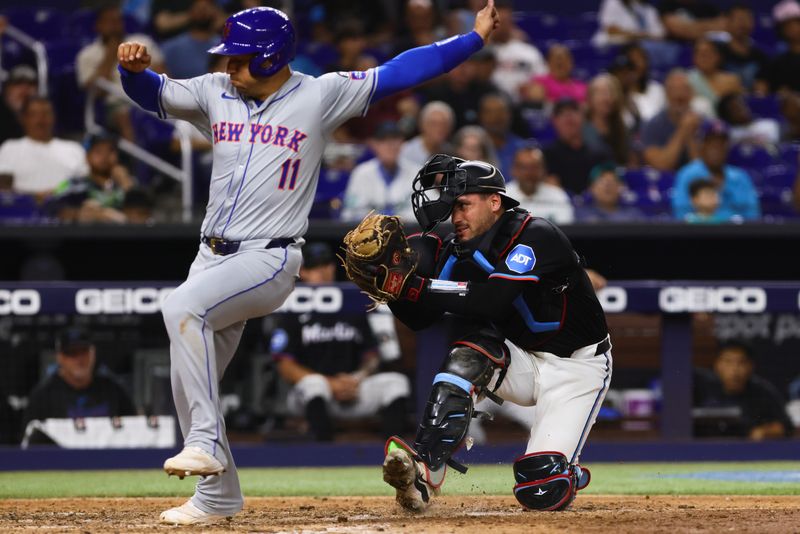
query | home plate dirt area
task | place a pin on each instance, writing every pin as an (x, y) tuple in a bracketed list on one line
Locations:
[(453, 514)]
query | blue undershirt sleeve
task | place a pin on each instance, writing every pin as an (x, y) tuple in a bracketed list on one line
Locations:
[(418, 65), (142, 87)]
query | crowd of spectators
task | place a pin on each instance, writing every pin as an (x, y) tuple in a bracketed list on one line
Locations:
[(639, 91)]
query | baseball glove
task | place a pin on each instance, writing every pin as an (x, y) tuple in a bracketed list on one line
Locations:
[(377, 257)]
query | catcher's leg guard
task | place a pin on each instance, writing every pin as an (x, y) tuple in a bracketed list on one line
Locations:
[(467, 370), (546, 480)]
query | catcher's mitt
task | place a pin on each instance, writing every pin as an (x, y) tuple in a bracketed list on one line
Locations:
[(377, 257)]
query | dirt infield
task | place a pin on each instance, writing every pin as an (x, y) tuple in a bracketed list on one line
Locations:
[(590, 513)]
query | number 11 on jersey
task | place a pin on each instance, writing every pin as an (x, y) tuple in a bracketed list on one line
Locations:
[(295, 166)]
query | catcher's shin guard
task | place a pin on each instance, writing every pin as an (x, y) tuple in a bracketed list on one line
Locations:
[(467, 370), (547, 481)]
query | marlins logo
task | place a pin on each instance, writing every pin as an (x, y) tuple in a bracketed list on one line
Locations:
[(521, 259)]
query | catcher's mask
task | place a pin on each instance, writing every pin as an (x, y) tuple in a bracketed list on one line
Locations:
[(444, 178)]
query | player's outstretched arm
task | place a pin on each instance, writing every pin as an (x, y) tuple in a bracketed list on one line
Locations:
[(421, 64), (139, 82)]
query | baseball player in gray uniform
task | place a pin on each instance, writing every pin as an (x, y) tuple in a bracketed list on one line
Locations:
[(269, 126)]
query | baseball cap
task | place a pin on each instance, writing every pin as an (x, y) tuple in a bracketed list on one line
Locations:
[(316, 255), (786, 10), (95, 139), (22, 73), (713, 127), (564, 104), (386, 130), (602, 168), (73, 340)]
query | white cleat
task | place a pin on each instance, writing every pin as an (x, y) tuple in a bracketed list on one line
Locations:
[(403, 473), (193, 461), (189, 514)]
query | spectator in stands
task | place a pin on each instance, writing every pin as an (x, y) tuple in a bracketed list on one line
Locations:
[(137, 206), (705, 202), (518, 62), (351, 42), (569, 159), (783, 72), (185, 54), (462, 89), (708, 79), (39, 162), (744, 128), (753, 407), (20, 85), (172, 17), (739, 199), (688, 20), (668, 138), (604, 129), (605, 193), (558, 83), (627, 21), (461, 19), (648, 94), (383, 182), (528, 186), (472, 142), (494, 116), (77, 388), (332, 362), (98, 196), (436, 121), (98, 60), (790, 110), (741, 55), (422, 25)]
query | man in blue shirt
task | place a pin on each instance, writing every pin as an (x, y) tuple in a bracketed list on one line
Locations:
[(738, 196), (185, 54)]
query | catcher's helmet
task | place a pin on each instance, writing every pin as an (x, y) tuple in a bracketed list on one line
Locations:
[(263, 31), (444, 178)]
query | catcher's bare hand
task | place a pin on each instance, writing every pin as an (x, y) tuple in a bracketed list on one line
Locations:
[(133, 56), (486, 21)]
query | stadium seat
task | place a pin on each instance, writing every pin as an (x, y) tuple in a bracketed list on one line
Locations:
[(766, 107), (40, 23), (777, 201), (751, 156), (17, 206), (780, 176)]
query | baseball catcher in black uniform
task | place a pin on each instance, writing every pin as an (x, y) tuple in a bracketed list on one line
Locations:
[(541, 336)]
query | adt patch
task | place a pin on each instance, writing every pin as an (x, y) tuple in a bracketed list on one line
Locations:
[(521, 259), (279, 341)]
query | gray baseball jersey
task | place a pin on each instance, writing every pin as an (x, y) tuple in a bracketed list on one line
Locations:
[(266, 157), (266, 163)]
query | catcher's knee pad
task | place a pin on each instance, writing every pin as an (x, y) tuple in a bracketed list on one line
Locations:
[(547, 481), (467, 370)]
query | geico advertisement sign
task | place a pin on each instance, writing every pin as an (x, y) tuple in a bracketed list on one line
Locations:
[(20, 302), (141, 300), (712, 299), (322, 299)]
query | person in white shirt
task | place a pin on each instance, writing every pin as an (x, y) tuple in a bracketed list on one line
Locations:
[(533, 193), (517, 61), (39, 162), (99, 60), (625, 21), (383, 182), (436, 122)]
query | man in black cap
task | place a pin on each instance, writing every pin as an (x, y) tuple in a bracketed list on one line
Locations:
[(569, 159), (77, 389), (19, 86), (332, 362)]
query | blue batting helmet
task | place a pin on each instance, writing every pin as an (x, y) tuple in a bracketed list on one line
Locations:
[(263, 31)]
